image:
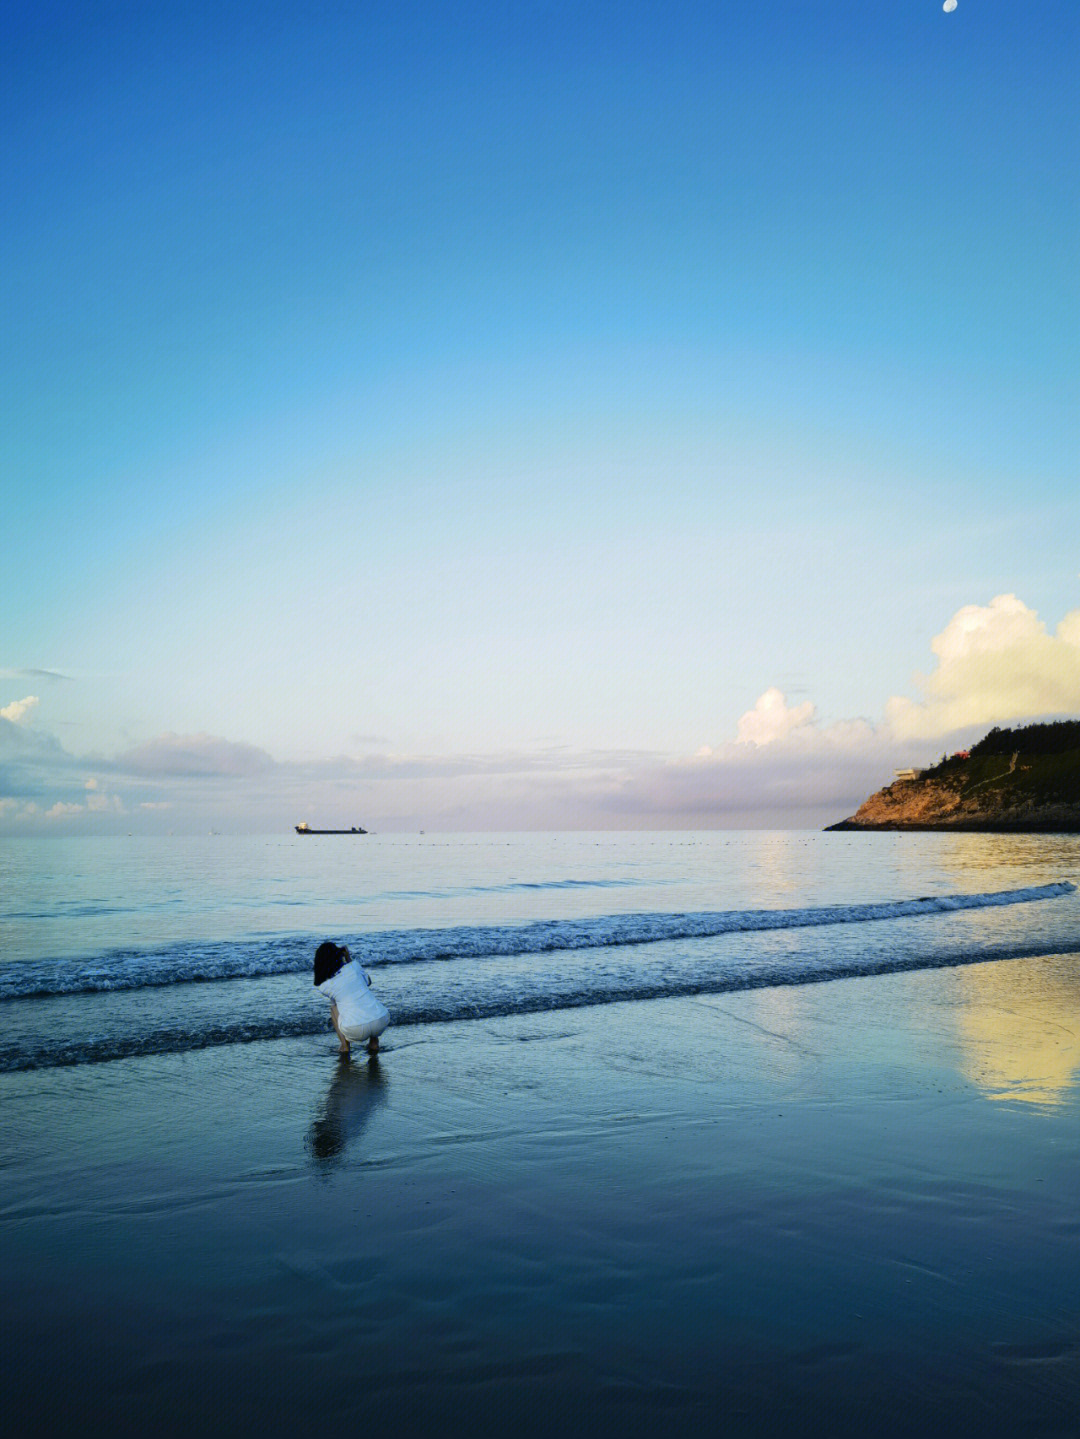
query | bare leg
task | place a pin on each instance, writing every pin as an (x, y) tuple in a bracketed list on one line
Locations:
[(373, 1044), (344, 1047)]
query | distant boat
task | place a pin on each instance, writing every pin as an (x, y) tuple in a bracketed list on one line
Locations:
[(306, 829)]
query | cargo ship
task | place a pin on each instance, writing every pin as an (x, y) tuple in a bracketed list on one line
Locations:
[(306, 829)]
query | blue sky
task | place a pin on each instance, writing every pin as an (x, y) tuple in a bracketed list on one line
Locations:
[(528, 389)]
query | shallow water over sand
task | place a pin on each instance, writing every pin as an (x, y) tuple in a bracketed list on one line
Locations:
[(824, 1210)]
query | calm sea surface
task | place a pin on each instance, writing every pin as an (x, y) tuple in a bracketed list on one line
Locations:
[(130, 945)]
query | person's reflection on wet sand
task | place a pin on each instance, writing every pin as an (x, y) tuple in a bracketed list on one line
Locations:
[(355, 1092)]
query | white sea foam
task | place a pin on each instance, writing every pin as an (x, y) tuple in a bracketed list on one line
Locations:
[(254, 959), (535, 968)]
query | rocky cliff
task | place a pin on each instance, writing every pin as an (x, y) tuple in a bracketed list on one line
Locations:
[(1009, 781)]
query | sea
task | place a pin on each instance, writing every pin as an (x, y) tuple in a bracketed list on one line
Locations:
[(771, 1131), (131, 945)]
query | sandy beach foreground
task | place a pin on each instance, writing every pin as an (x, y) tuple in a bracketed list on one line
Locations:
[(847, 1208)]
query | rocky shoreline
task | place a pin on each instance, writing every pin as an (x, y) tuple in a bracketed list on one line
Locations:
[(1020, 792)]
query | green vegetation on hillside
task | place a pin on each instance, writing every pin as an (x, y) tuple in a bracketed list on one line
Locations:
[(1045, 771), (1040, 739), (1021, 780)]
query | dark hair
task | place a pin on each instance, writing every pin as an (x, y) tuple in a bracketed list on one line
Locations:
[(329, 958)]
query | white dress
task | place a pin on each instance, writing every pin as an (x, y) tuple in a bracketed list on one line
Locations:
[(360, 1015)]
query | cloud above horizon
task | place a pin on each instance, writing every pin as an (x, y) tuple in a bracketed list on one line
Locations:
[(17, 711), (201, 755), (805, 775), (771, 719), (996, 663)]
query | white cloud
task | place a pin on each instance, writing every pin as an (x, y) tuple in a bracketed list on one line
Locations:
[(771, 719), (98, 802), (62, 810), (17, 711), (784, 769), (996, 663)]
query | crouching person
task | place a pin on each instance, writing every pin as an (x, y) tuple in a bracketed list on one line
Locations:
[(356, 1013)]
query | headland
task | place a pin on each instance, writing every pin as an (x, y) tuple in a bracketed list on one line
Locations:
[(1024, 780)]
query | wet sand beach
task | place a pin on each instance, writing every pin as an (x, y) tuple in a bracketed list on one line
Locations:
[(837, 1209)]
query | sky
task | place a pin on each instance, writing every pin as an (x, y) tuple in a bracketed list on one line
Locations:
[(534, 415)]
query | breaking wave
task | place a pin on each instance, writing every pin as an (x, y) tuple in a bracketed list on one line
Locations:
[(126, 1005), (50, 1052), (194, 963)]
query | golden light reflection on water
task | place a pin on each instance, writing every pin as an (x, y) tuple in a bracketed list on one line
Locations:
[(1018, 1024), (1019, 1028), (996, 861)]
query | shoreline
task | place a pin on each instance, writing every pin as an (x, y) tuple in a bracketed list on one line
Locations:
[(832, 1209), (1050, 827)]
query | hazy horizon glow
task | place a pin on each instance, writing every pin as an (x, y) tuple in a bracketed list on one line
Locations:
[(530, 415)]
